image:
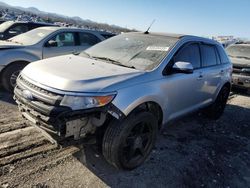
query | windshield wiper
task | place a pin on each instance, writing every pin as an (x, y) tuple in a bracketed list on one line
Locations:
[(85, 53), (112, 61), (242, 57)]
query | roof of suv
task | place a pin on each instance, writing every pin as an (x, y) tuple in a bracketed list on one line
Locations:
[(179, 36), (174, 35)]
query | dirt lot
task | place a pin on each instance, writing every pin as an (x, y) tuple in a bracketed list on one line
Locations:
[(191, 152)]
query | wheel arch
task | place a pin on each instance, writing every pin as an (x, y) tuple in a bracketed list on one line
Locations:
[(25, 62), (149, 106), (226, 84)]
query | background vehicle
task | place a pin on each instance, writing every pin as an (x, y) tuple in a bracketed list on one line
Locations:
[(10, 29), (42, 43), (240, 57), (124, 89)]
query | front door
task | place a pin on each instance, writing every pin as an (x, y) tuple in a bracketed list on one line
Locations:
[(61, 44), (184, 91)]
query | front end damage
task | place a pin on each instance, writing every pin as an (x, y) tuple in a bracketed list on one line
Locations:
[(42, 109)]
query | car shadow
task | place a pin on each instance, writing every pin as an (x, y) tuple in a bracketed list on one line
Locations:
[(191, 152), (6, 97)]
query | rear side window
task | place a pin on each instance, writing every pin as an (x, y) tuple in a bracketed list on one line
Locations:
[(87, 39), (191, 54), (209, 55), (223, 56)]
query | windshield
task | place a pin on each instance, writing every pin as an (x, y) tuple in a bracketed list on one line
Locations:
[(134, 50), (32, 37), (5, 26), (240, 51)]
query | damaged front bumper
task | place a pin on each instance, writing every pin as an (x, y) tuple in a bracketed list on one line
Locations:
[(242, 81), (68, 123), (43, 109)]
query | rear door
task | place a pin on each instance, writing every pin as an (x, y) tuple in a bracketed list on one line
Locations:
[(212, 70), (61, 44)]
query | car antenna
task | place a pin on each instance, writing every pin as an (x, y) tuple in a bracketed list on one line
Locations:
[(146, 32)]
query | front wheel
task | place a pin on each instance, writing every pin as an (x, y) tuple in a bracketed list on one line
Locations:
[(10, 75), (215, 110), (127, 144)]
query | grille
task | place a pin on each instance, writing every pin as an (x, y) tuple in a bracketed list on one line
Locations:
[(241, 70), (39, 94), (40, 90)]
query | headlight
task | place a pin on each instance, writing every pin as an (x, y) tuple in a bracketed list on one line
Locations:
[(85, 102)]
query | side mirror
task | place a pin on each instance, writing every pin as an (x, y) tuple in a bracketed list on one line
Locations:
[(51, 43), (183, 67)]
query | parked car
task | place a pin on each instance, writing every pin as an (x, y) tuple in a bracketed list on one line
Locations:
[(124, 89), (42, 43), (10, 29), (240, 57)]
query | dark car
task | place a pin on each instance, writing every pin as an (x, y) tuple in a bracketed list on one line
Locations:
[(240, 57), (10, 29)]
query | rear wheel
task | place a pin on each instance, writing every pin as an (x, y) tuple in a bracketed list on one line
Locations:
[(215, 110), (10, 75), (127, 144)]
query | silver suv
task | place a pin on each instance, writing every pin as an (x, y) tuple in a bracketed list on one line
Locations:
[(41, 43), (124, 89)]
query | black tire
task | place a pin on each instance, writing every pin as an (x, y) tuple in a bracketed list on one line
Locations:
[(215, 110), (127, 144), (10, 74)]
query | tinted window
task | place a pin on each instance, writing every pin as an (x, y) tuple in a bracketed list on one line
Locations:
[(209, 56), (87, 39), (65, 39), (191, 54), (19, 29), (223, 55)]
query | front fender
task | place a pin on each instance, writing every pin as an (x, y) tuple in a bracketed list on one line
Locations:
[(14, 55), (127, 99)]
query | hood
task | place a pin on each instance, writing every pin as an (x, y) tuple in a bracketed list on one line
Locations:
[(9, 45), (78, 74), (241, 62)]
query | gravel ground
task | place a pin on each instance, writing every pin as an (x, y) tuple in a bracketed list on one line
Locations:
[(190, 152)]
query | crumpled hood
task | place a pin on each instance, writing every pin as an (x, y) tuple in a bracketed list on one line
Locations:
[(77, 74), (9, 45), (240, 62)]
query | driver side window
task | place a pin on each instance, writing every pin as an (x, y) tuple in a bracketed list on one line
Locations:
[(189, 53), (64, 39)]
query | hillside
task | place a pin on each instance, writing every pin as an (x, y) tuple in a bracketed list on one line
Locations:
[(9, 12)]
